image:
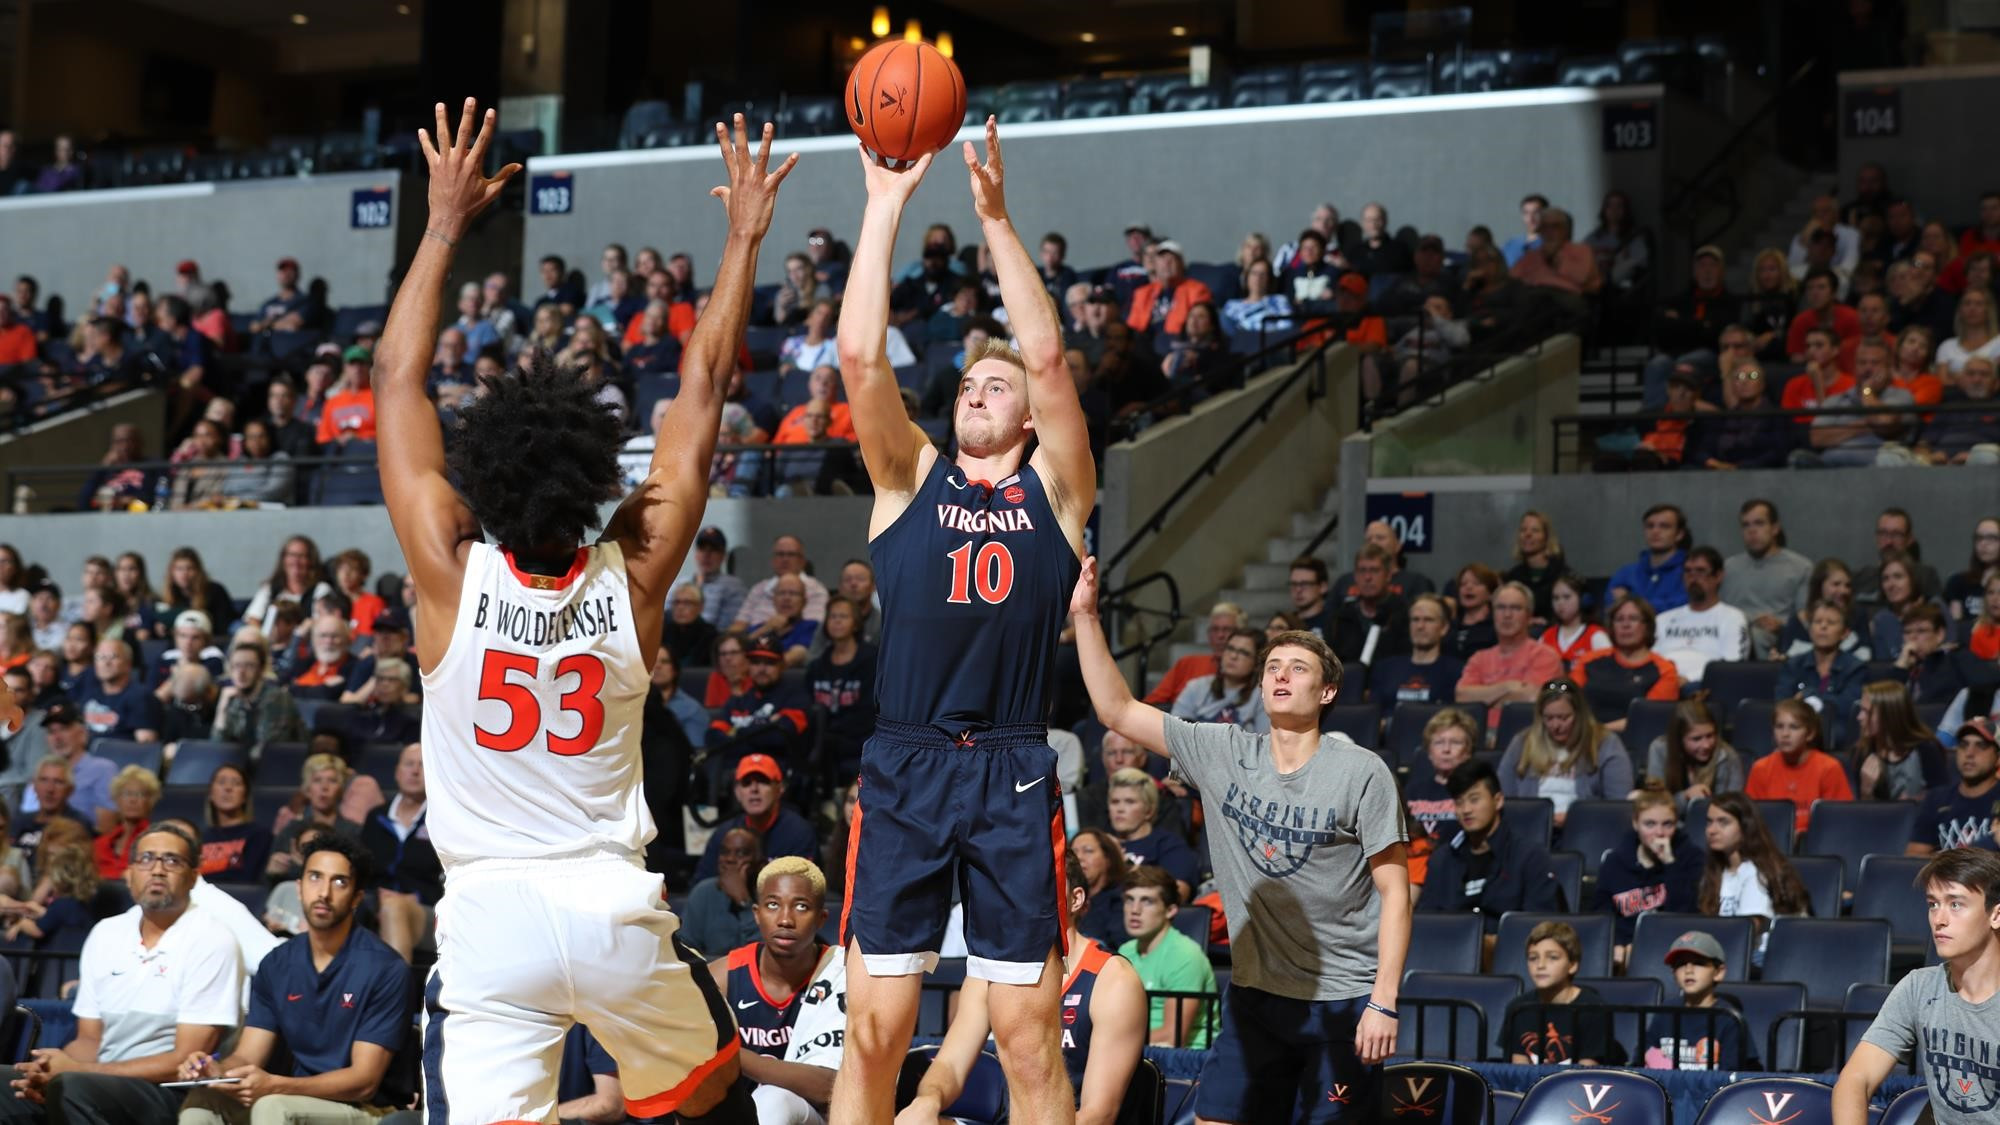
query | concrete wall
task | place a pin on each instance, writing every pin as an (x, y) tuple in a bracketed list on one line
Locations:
[(237, 231), (240, 547), (1284, 466), (1441, 163), (1498, 423), (79, 437), (1825, 513), (1943, 157)]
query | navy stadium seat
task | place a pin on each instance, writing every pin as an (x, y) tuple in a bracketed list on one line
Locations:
[(1862, 998), (197, 760), (982, 1101), (1593, 826), (1730, 682), (122, 752), (1750, 728), (1080, 108), (1514, 718), (1489, 993), (1853, 829), (354, 480), (1908, 1108), (1182, 1114), (251, 895), (1149, 91), (1768, 1099), (1825, 883), (1332, 82), (1399, 79), (1534, 817), (933, 1006), (1476, 72), (1195, 922), (1645, 720), (1761, 1003), (1115, 88), (1567, 867), (1434, 1092), (1506, 1103), (281, 762), (1405, 736), (1593, 932), (182, 802), (1191, 98), (1145, 1095), (1571, 1096), (379, 762), (1589, 70), (1358, 721), (1445, 943), (1887, 889), (1828, 954), (1628, 1029), (1656, 933)]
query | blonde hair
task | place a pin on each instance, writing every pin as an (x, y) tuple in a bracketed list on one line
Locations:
[(1452, 717), (793, 865), (1787, 284), (1538, 754), (319, 762), (1550, 543), (993, 347), (1149, 795), (71, 869), (140, 776)]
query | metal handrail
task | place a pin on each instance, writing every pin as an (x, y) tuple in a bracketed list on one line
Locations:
[(1698, 184), (1122, 609)]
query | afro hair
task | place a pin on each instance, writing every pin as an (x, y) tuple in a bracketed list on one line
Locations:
[(536, 454)]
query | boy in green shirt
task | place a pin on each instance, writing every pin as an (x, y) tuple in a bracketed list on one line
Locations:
[(1167, 960)]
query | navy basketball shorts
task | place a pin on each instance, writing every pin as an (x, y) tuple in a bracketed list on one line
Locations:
[(1279, 1059), (982, 812)]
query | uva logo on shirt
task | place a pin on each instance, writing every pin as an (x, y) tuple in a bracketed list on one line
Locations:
[(1278, 836), (347, 999), (1965, 1072)]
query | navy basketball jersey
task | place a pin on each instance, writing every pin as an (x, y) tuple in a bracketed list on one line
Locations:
[(762, 1024), (1076, 1010), (976, 581)]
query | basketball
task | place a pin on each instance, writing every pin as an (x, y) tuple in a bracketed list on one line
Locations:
[(905, 100)]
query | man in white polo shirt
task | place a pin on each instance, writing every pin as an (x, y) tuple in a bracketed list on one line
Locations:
[(156, 984)]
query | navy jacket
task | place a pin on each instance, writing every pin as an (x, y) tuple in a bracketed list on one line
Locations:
[(1626, 889), (1837, 697), (1520, 879)]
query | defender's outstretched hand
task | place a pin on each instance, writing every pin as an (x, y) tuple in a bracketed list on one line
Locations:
[(460, 188), (752, 191), (890, 183), (989, 196), (1083, 602)]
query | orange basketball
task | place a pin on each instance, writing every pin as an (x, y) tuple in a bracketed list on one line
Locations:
[(905, 100)]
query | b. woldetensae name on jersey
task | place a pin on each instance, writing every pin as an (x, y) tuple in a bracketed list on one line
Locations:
[(526, 626)]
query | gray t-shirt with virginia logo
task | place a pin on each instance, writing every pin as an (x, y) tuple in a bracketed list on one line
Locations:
[(1290, 853), (1957, 1044)]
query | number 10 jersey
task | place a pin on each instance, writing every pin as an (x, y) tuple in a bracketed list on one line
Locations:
[(532, 715), (976, 580)]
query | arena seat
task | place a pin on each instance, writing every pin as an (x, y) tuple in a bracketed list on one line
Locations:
[(1593, 931), (1589, 70), (1628, 1029), (1777, 816), (1183, 1112), (1657, 931), (280, 763), (1444, 943), (1768, 1099), (1081, 108), (1594, 826), (811, 116), (1399, 79), (266, 800), (182, 802), (1533, 816), (1580, 1094), (1761, 1003), (1910, 1108), (1514, 718), (1825, 882), (355, 482), (1862, 997), (1828, 954), (1405, 736), (1114, 88), (251, 895), (1645, 720), (1567, 867), (122, 752), (1656, 60), (1249, 91), (197, 760), (1196, 922), (1490, 993), (379, 762), (1332, 82), (1476, 72), (1730, 682), (1434, 1092), (1887, 889), (1506, 1103), (1358, 721), (1191, 98), (1534, 66), (983, 1101), (1855, 829), (1145, 1096), (642, 118)]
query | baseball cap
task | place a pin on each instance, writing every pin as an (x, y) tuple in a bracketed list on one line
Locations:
[(288, 263), (1695, 943), (1169, 246), (711, 538), (61, 713), (764, 650), (187, 268), (1102, 295), (1141, 228), (369, 328), (759, 764), (356, 354), (193, 619), (328, 350), (1980, 727), (391, 621), (1711, 250), (1353, 283), (1431, 242)]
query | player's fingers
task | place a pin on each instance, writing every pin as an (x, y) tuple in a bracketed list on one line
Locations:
[(993, 141), (971, 157), (764, 147), (424, 142), (922, 165), (722, 142), (785, 169), (742, 141), (442, 133), (463, 140), (721, 193), (484, 138)]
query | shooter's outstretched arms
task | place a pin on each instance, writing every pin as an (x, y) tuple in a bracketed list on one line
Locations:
[(431, 522), (657, 521), (1060, 428), (891, 444)]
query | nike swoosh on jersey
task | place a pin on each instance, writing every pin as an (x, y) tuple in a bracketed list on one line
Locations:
[(295, 995), (742, 1004), (1020, 788)]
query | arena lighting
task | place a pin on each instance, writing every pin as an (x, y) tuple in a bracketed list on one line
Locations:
[(944, 43), (880, 24), (913, 31), (1179, 31), (857, 44), (299, 19), (1088, 37)]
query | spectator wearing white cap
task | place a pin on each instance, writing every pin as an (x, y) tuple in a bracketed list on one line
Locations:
[(1164, 302), (194, 640)]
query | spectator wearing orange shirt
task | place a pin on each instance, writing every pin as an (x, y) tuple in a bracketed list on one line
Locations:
[(1871, 311), (1164, 301), (1911, 360), (1514, 669), (1818, 309), (1559, 263), (1798, 770), (661, 286), (1223, 620), (349, 413), (1983, 237), (17, 340), (1823, 377), (823, 385)]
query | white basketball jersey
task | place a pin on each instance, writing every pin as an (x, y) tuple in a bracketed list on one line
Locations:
[(532, 716)]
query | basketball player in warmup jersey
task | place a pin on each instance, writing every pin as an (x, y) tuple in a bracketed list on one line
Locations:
[(539, 658), (1104, 1017), (974, 559), (762, 980)]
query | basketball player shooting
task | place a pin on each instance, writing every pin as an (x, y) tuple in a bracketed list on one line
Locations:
[(536, 652), (975, 558)]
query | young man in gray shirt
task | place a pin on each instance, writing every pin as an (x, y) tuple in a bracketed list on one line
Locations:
[(1948, 1014), (1767, 579), (1308, 846)]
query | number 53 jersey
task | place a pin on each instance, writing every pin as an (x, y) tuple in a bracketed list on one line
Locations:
[(532, 715), (976, 580)]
